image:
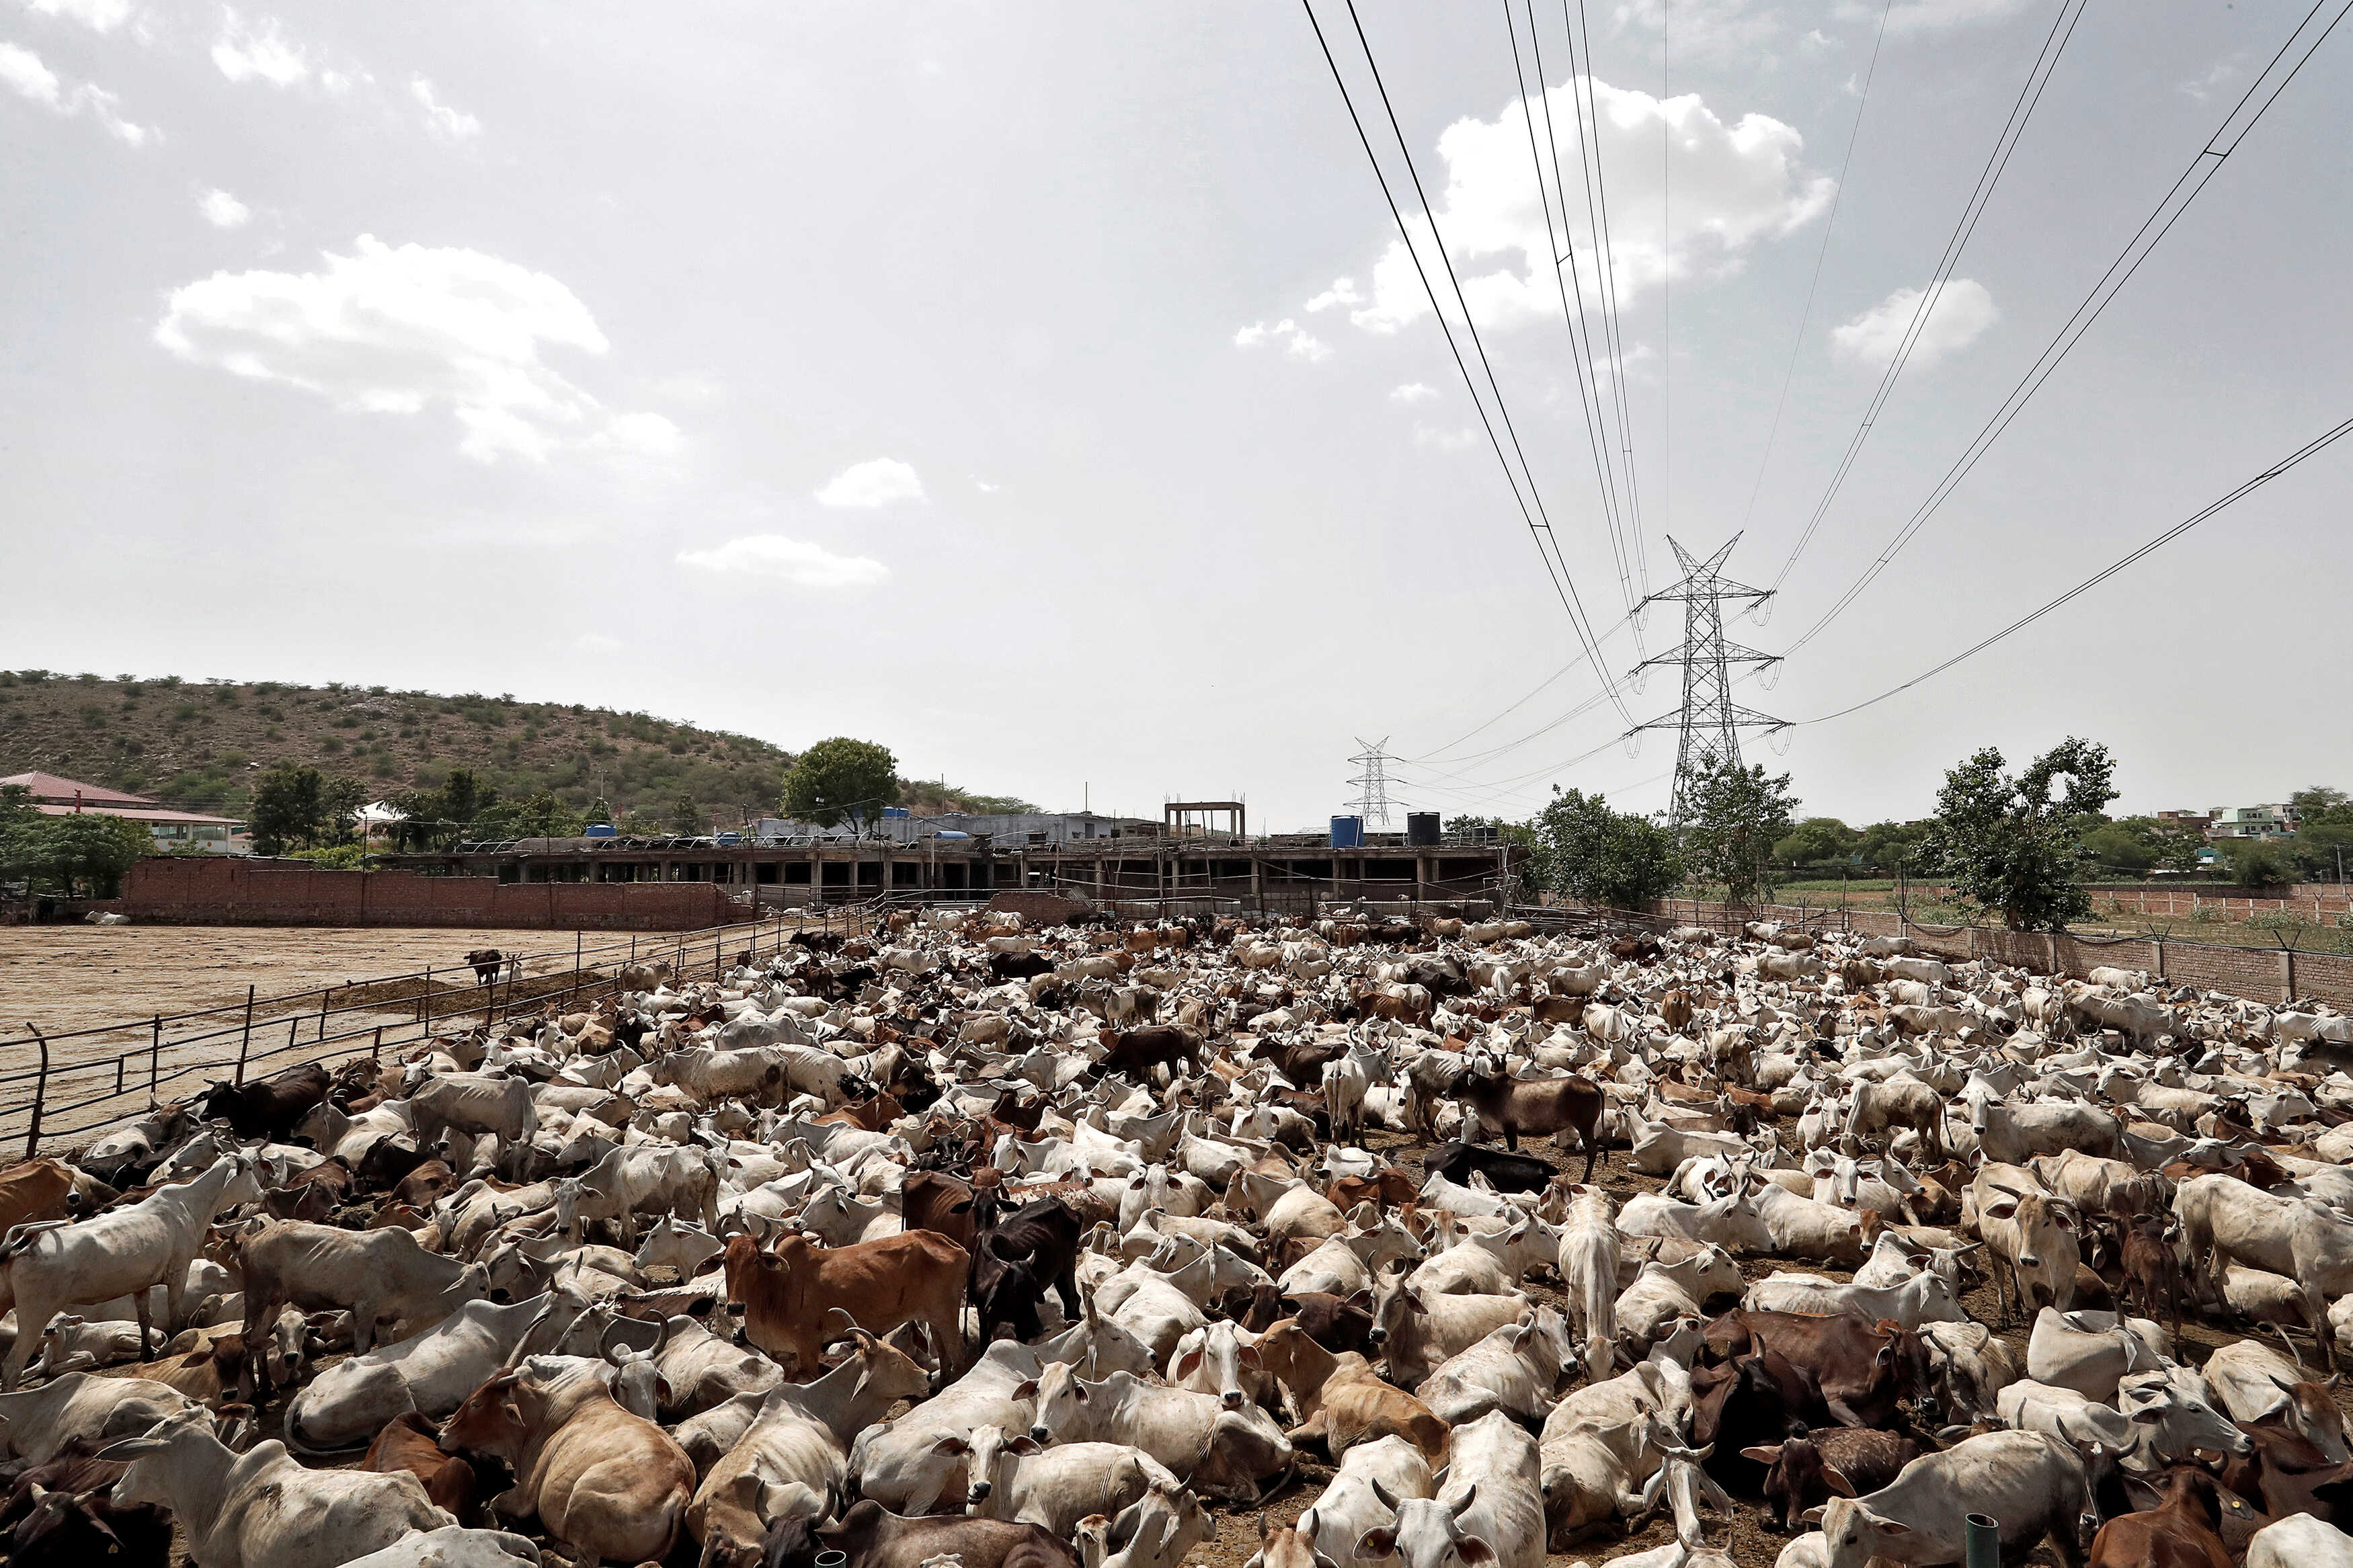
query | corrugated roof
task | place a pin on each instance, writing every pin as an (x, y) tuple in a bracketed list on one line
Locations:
[(49, 787)]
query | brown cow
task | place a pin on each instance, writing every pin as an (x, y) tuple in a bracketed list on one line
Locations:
[(1537, 1106), (1385, 1186), (935, 1201), (1138, 1051), (870, 1115), (1865, 1370), (2177, 1532), (875, 1537), (410, 1444), (1340, 1401), (603, 1482), (789, 1296), (35, 1190)]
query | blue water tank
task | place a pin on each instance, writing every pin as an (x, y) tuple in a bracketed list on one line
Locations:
[(731, 839), (894, 811), (603, 830), (1347, 832)]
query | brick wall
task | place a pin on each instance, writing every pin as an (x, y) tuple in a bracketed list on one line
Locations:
[(2269, 975), (238, 891), (1039, 909)]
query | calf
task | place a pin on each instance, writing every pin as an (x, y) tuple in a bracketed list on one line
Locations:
[(1338, 1325), (1341, 1403), (486, 963), (411, 1444), (1508, 1173), (269, 1109), (1809, 1469), (2175, 1532)]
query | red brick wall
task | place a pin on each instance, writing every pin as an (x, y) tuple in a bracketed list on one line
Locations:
[(236, 892), (1039, 909)]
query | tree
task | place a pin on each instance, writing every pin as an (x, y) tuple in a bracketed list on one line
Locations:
[(1888, 845), (463, 801), (842, 778), (87, 847), (2009, 845), (1598, 856), (686, 813), (2321, 805), (289, 809), (2258, 862), (342, 798), (2320, 850), (1815, 840), (1534, 873), (1733, 817)]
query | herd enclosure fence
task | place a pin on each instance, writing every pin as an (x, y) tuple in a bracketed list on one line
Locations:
[(59, 1090)]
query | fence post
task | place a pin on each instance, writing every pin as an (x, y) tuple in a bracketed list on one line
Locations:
[(326, 998), (576, 969), (244, 1043), (40, 1094), (155, 1059), (376, 1048), (425, 1003)]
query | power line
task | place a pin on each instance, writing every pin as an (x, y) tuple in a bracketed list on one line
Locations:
[(2145, 240), (1588, 392), (1708, 724), (2309, 449), (1563, 584), (2046, 60), (1372, 802), (1805, 315)]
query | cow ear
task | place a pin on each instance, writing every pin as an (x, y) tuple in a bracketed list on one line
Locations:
[(1474, 1550), (1186, 1365), (1837, 1482), (1763, 1454), (1375, 1544), (1026, 1391), (1025, 1443), (1891, 1527), (1813, 1516), (951, 1444), (2002, 1210)]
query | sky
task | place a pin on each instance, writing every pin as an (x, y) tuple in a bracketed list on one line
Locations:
[(1045, 392)]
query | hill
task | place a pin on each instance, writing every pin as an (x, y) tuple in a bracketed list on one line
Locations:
[(201, 746)]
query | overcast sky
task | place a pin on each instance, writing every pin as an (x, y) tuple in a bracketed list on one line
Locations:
[(1040, 390)]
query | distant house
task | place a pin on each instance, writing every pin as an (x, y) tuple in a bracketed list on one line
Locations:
[(2253, 821), (54, 796)]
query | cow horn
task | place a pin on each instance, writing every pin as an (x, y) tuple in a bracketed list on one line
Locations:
[(1468, 1498), (1382, 1495)]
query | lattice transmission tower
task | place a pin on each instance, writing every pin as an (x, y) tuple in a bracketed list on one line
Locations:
[(1709, 723), (1372, 780)]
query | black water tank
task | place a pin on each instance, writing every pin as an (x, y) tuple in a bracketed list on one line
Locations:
[(1420, 829)]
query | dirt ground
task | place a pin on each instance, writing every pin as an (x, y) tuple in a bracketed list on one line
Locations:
[(72, 977)]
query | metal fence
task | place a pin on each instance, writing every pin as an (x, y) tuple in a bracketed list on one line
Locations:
[(58, 1089)]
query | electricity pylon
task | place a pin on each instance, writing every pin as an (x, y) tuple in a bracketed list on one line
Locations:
[(1708, 726), (1372, 802)]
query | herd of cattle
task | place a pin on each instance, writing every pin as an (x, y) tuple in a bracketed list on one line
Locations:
[(971, 1247)]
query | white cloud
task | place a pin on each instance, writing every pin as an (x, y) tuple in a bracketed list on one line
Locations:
[(1961, 314), (1341, 292), (1412, 392), (222, 210), (2198, 90), (449, 124), (985, 487), (794, 560), (596, 642), (99, 16), (1294, 338), (1444, 440), (1929, 16), (395, 330), (21, 69), (885, 481), (1736, 186), (259, 53)]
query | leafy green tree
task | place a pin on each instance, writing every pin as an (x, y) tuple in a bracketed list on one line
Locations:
[(2258, 862), (1534, 872), (289, 809), (1887, 846), (464, 801), (1815, 840), (342, 798), (1598, 856), (842, 778), (86, 853), (2114, 846), (2320, 849), (1733, 818), (540, 815), (686, 813), (2321, 805), (2009, 845)]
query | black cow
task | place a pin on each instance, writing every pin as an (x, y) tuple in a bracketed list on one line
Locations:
[(1138, 1051), (269, 1109), (1004, 966), (1510, 1172), (1014, 1261), (487, 962), (1338, 1324)]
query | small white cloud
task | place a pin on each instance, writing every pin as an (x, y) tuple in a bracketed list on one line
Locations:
[(885, 481), (1412, 392), (2200, 88), (596, 642), (985, 487), (1444, 440), (1343, 292), (1294, 338), (98, 16), (794, 560), (222, 210), (448, 124), (1817, 42), (1962, 313), (22, 71), (258, 53)]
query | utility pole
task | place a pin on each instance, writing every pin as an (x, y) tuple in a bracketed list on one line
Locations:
[(1372, 802), (1708, 724)]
